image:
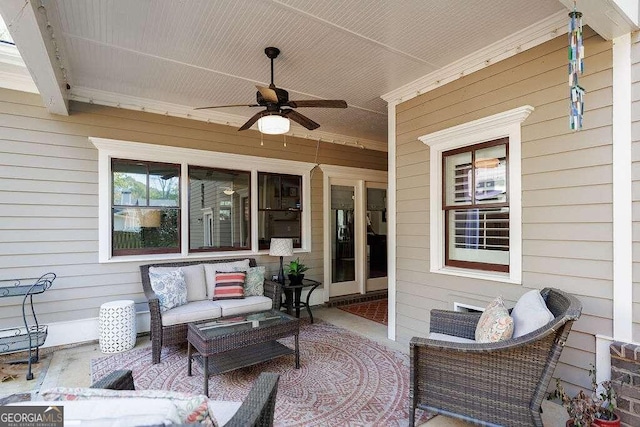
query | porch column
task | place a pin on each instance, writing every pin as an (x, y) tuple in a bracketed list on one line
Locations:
[(391, 218)]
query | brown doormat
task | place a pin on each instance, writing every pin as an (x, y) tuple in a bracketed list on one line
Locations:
[(376, 310)]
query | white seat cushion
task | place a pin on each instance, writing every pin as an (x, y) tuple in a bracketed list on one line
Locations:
[(192, 312), (223, 410), (130, 412), (530, 313), (231, 307), (450, 338), (193, 277)]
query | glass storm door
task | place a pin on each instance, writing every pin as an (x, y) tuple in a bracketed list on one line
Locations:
[(344, 235), (376, 220)]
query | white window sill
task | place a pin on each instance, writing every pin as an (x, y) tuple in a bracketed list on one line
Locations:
[(477, 274), (192, 257)]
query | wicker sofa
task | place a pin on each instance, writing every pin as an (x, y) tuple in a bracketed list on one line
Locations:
[(501, 383), (119, 404), (170, 327)]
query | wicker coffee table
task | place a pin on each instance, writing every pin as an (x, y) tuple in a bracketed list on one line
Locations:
[(234, 342)]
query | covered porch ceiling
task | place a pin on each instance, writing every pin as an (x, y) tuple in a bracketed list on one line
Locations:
[(170, 56)]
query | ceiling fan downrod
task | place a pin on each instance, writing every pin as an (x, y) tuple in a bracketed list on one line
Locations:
[(272, 53)]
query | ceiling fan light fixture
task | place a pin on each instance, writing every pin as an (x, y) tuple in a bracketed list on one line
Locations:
[(273, 124)]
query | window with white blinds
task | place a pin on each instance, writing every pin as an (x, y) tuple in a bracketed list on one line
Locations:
[(476, 206)]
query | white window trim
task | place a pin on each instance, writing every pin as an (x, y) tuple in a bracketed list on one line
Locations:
[(111, 148), (505, 124)]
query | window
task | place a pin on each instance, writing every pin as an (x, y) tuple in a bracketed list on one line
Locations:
[(145, 207), (279, 208), (153, 208), (476, 206), (219, 206)]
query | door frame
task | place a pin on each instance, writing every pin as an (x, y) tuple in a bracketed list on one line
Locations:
[(360, 176)]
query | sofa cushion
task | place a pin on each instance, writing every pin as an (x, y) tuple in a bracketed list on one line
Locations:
[(530, 313), (191, 408), (254, 282), (450, 338), (210, 270), (133, 411), (231, 307), (229, 285), (170, 288), (495, 324), (191, 312), (193, 277)]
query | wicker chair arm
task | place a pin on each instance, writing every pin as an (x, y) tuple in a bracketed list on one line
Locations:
[(258, 407), (459, 324), (273, 290), (116, 380)]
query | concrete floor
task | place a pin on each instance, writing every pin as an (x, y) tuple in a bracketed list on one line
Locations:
[(69, 367)]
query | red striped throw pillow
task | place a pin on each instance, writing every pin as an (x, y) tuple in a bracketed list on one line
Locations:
[(229, 285)]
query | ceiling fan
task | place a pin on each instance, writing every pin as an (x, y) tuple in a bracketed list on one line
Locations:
[(278, 107)]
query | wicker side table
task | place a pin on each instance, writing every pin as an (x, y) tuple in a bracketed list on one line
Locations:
[(117, 327)]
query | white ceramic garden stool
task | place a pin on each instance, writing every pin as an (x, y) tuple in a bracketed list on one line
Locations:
[(117, 328)]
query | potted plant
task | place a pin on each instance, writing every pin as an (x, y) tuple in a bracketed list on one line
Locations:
[(295, 270), (593, 408)]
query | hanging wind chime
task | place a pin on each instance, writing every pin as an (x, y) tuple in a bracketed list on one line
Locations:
[(576, 66)]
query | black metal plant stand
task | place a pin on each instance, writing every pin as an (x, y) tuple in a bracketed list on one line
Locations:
[(32, 335)]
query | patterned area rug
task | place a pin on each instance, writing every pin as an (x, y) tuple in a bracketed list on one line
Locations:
[(376, 310), (344, 379)]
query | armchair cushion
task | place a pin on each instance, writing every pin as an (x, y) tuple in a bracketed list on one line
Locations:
[(193, 277), (495, 324), (450, 338), (129, 412), (530, 313), (190, 408), (170, 288)]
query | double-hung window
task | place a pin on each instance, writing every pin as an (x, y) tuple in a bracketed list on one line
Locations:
[(476, 206), (475, 202), (219, 206), (279, 208)]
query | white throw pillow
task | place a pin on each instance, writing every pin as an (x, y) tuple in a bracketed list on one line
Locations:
[(530, 313), (193, 277), (495, 324), (223, 267), (169, 287)]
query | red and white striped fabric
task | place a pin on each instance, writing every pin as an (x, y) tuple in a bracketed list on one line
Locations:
[(229, 285)]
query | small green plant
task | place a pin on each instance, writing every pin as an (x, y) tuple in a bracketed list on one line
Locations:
[(296, 268), (584, 408)]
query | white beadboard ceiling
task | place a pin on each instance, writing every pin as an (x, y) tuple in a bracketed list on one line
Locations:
[(211, 52)]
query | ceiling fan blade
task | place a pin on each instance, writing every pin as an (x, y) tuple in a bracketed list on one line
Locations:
[(251, 121), (323, 103), (227, 106), (300, 119)]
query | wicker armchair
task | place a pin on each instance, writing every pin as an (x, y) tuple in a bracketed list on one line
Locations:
[(162, 335), (257, 409), (500, 383)]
